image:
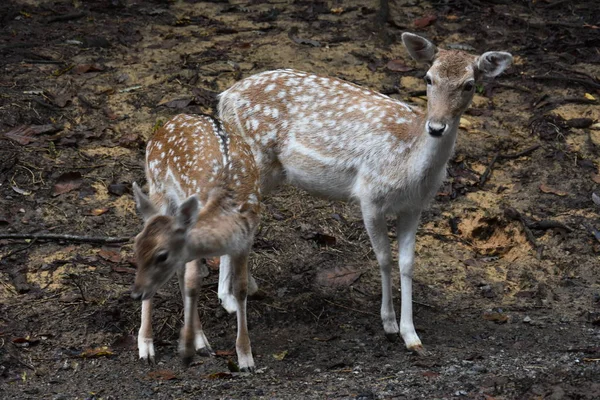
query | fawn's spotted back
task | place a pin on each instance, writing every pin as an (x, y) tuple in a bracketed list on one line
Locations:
[(193, 155)]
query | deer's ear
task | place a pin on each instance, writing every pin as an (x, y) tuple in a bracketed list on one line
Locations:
[(493, 63), (419, 48), (143, 203), (187, 213)]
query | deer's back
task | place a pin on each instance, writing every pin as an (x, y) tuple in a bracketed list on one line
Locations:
[(193, 155)]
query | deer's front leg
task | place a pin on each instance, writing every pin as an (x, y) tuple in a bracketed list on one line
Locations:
[(406, 231), (239, 265), (200, 342), (376, 226), (192, 336), (145, 343)]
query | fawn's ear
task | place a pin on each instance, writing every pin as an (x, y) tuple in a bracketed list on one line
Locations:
[(187, 213), (143, 203), (419, 48), (492, 63)]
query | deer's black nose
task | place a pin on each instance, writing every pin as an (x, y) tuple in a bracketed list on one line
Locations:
[(436, 129)]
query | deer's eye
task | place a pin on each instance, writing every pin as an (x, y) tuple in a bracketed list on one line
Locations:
[(162, 256), (469, 86), (428, 80)]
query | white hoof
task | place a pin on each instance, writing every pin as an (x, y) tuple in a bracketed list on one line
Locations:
[(146, 348)]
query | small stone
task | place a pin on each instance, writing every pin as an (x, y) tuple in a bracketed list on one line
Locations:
[(526, 320)]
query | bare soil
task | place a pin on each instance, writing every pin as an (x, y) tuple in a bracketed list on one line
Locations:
[(507, 290)]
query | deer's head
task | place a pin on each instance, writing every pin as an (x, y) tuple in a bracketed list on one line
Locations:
[(451, 79), (160, 248)]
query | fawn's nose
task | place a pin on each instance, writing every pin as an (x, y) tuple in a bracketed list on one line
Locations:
[(436, 129)]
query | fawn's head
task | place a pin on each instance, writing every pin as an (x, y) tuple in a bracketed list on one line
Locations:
[(451, 79), (160, 248)]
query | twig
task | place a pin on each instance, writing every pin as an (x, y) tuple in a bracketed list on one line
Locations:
[(19, 250), (584, 82), (66, 17), (349, 308), (498, 156), (71, 238), (488, 170), (29, 61)]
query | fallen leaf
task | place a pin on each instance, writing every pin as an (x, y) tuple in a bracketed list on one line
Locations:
[(321, 239), (219, 375), (125, 342), (224, 353), (67, 182), (589, 96), (99, 211), (430, 374), (280, 356), (495, 316), (25, 134), (547, 189), (398, 66), (25, 341), (424, 21), (337, 10), (110, 255), (118, 189), (103, 351), (596, 178), (83, 68), (465, 124), (176, 103), (162, 375), (452, 17), (292, 35), (338, 276), (124, 270)]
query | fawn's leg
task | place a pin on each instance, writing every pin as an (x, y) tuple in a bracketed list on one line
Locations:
[(376, 226), (239, 264), (406, 230), (200, 342), (145, 343), (224, 291), (191, 333)]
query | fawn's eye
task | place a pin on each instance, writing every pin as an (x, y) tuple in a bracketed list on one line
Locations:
[(428, 80), (469, 86), (162, 256)]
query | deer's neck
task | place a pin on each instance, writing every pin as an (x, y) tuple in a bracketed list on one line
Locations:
[(218, 232)]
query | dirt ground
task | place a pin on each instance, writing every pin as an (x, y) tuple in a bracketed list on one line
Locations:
[(507, 289)]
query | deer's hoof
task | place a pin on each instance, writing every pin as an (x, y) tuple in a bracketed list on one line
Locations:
[(419, 350), (391, 337)]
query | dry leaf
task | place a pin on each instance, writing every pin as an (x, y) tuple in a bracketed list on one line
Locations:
[(496, 317), (83, 68), (176, 103), (398, 66), (99, 211), (337, 10), (280, 356), (219, 375), (465, 124), (224, 353), (25, 134), (589, 96), (124, 270), (338, 276), (67, 182), (596, 178), (96, 352), (424, 21), (162, 375), (110, 255), (547, 189)]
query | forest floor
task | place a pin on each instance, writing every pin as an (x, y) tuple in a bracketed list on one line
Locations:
[(507, 283)]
